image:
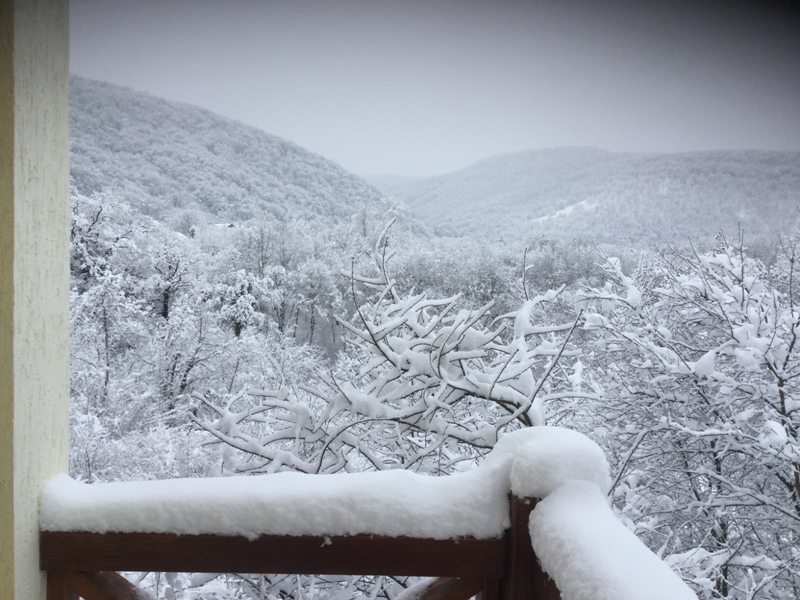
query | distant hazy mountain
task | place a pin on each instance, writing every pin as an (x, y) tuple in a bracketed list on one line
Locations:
[(169, 159), (612, 197)]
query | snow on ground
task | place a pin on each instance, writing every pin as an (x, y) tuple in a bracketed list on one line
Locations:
[(579, 541), (588, 204)]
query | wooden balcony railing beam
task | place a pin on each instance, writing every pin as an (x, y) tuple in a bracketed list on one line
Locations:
[(362, 554), (506, 568), (453, 588)]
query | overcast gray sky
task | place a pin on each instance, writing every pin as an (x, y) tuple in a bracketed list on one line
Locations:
[(423, 88)]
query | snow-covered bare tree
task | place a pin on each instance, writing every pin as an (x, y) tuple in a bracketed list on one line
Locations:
[(426, 384), (700, 361)]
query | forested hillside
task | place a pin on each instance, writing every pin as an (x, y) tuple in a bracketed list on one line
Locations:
[(184, 165), (320, 335), (285, 347), (612, 197)]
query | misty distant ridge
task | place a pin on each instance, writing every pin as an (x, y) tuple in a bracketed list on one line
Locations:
[(180, 164), (631, 198)]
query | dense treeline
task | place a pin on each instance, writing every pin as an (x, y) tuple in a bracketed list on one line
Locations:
[(275, 345)]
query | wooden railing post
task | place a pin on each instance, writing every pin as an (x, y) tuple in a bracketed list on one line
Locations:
[(524, 578), (491, 589), (57, 588)]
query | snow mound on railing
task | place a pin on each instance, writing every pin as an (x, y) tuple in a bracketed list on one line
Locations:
[(579, 541), (393, 503), (591, 555), (552, 456)]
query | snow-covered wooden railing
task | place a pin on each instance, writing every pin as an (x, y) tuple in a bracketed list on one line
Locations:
[(502, 568), (478, 529)]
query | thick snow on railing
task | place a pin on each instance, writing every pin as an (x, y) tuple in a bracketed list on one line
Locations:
[(577, 538)]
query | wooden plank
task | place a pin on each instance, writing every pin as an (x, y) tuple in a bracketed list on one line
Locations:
[(524, 579), (439, 588), (453, 588), (86, 588), (362, 555), (57, 587), (114, 584), (491, 589), (518, 580)]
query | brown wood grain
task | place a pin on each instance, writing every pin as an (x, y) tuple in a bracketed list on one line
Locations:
[(518, 579), (86, 588), (524, 578), (57, 587), (114, 584), (453, 588), (491, 589), (363, 554)]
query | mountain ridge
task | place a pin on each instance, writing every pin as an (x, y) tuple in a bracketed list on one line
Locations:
[(621, 197), (169, 159), (185, 165)]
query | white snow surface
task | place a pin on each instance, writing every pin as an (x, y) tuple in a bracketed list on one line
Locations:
[(591, 555), (532, 461), (558, 455), (393, 503)]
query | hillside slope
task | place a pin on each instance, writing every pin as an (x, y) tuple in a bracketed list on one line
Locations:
[(167, 159), (612, 197)]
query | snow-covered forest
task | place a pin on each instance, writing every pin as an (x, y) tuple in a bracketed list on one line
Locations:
[(352, 342)]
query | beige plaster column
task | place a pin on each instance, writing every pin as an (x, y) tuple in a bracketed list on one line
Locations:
[(34, 276)]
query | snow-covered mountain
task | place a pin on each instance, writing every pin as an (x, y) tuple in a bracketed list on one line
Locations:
[(612, 197), (181, 164), (172, 161)]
